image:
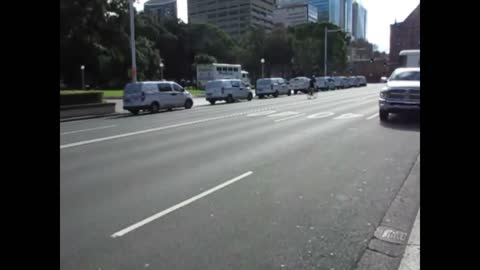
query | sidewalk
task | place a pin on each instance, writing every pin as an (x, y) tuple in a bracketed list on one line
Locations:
[(411, 257)]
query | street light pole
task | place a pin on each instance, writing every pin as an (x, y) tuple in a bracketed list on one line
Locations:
[(82, 68), (132, 42), (325, 58), (161, 70), (263, 71)]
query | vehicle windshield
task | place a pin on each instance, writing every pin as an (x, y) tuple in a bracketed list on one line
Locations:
[(405, 76), (264, 82)]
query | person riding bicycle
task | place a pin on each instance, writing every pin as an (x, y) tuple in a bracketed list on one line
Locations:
[(312, 85)]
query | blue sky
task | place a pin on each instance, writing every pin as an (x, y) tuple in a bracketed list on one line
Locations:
[(380, 14)]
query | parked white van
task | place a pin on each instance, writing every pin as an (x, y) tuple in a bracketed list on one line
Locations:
[(228, 90), (299, 84), (321, 83), (271, 86), (155, 95)]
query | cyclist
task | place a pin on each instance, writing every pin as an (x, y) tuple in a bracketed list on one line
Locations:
[(312, 86)]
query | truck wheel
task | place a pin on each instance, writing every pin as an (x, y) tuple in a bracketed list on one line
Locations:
[(212, 102), (275, 94), (295, 92), (249, 97), (260, 96), (230, 99), (154, 107), (383, 115), (289, 92)]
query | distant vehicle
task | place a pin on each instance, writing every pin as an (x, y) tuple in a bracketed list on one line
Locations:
[(353, 81), (155, 95), (246, 78), (299, 84), (217, 71), (331, 83), (322, 83), (229, 90), (271, 86), (338, 81), (346, 82), (401, 94), (409, 58), (362, 80)]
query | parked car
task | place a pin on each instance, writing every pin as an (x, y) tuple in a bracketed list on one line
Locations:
[(401, 94), (331, 83), (353, 81), (229, 90), (299, 84), (321, 83), (346, 82), (155, 95), (338, 82), (362, 80), (271, 86)]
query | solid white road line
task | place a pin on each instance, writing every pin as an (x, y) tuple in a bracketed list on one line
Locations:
[(63, 146), (372, 116), (287, 118), (88, 129), (178, 206)]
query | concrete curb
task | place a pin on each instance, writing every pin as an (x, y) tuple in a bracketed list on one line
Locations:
[(88, 117), (385, 250)]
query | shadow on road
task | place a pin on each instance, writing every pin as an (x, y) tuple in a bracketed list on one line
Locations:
[(409, 122)]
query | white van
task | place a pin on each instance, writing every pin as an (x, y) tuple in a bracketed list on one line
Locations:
[(228, 90), (155, 95), (246, 78), (321, 83), (271, 86), (299, 84)]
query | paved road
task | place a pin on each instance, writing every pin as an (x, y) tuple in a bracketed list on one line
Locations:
[(279, 183)]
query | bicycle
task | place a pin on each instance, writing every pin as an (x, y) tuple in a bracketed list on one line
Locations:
[(312, 94)]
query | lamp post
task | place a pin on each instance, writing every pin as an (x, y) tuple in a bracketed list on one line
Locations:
[(82, 68), (263, 64), (132, 42), (161, 70), (325, 58)]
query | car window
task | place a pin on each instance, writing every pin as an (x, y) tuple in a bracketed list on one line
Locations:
[(263, 82), (131, 88), (235, 84), (177, 87), (164, 87), (150, 87)]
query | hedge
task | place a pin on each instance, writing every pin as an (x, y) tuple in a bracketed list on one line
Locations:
[(80, 97)]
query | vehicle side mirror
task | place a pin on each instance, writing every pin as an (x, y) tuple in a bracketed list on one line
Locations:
[(383, 79)]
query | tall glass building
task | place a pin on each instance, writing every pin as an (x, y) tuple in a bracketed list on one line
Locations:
[(359, 21), (335, 11)]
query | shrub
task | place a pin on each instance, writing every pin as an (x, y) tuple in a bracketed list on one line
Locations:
[(80, 97)]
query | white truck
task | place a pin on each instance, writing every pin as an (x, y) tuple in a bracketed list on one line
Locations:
[(218, 71), (409, 58)]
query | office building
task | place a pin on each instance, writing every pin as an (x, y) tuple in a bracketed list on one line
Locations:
[(338, 12), (232, 16), (162, 8), (294, 14), (404, 36), (359, 21)]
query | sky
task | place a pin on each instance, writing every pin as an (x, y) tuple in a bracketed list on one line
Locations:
[(380, 15)]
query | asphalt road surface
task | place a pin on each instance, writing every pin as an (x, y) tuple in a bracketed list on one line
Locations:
[(277, 183)]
